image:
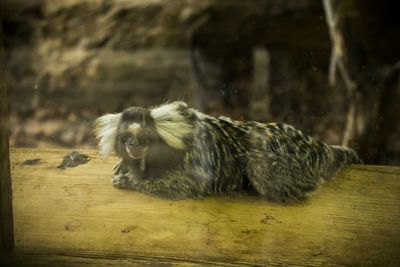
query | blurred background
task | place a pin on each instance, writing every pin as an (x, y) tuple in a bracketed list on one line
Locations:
[(330, 68)]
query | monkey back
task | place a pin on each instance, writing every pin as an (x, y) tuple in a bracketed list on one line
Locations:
[(275, 159)]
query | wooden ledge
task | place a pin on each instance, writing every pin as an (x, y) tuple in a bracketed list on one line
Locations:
[(74, 217)]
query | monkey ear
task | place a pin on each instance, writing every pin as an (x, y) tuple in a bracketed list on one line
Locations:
[(172, 123), (106, 128)]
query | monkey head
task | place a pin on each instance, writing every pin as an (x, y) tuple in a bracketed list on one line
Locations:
[(138, 135), (134, 133)]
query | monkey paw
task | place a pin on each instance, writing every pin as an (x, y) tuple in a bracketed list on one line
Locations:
[(120, 169), (122, 181)]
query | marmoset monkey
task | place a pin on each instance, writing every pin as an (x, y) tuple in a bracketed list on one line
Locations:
[(176, 152)]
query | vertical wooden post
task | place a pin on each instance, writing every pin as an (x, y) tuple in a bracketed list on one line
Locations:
[(6, 213)]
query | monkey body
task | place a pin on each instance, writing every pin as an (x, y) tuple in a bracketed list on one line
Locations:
[(179, 152)]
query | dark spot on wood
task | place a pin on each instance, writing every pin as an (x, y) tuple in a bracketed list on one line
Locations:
[(73, 159), (128, 229), (249, 231), (267, 219), (318, 253), (31, 162), (72, 225)]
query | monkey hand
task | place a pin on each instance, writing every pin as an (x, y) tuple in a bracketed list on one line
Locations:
[(120, 168), (125, 180)]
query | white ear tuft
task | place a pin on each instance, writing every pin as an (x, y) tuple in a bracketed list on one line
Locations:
[(106, 131), (171, 124)]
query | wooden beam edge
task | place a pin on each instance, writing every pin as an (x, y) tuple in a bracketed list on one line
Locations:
[(31, 258)]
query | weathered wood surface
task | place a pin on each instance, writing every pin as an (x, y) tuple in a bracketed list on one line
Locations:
[(6, 214), (75, 217)]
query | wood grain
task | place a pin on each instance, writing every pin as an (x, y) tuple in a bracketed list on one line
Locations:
[(76, 214), (6, 213)]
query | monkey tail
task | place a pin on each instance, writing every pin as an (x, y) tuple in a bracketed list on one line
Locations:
[(345, 155), (341, 156)]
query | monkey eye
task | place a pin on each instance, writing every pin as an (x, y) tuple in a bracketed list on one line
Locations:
[(123, 137)]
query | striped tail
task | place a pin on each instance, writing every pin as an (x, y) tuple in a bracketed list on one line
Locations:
[(345, 155), (341, 156)]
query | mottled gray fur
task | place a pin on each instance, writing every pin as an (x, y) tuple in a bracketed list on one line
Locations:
[(177, 152)]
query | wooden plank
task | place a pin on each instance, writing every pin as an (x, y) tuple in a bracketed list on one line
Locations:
[(60, 214), (6, 214)]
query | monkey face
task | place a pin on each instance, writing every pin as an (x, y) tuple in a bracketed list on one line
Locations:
[(133, 141), (133, 133), (149, 141), (139, 133)]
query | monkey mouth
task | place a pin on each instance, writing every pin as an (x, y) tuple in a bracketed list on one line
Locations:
[(136, 153)]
